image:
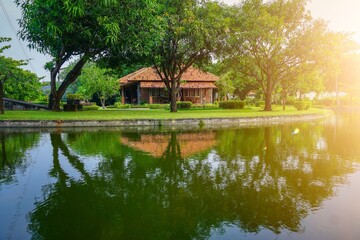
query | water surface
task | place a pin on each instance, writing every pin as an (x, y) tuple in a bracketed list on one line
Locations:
[(293, 181)]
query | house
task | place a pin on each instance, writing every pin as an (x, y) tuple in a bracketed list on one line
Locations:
[(145, 86)]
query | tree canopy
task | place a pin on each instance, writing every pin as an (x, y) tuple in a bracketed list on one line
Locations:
[(82, 30), (20, 84), (191, 33), (273, 40)]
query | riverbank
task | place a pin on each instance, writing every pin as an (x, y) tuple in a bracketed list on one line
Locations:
[(155, 118)]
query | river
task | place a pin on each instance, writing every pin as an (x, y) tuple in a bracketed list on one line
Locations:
[(290, 181)]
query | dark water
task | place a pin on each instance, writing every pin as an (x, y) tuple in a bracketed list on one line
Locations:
[(299, 181)]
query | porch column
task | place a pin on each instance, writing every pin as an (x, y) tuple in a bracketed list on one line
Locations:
[(211, 95), (138, 93), (122, 95)]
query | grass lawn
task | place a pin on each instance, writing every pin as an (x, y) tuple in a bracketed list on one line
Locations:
[(151, 114)]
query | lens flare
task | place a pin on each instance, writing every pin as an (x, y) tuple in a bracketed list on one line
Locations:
[(296, 131)]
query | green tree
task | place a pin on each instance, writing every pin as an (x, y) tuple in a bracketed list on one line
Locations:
[(82, 30), (191, 33), (95, 80), (21, 84), (337, 46), (271, 39), (349, 77)]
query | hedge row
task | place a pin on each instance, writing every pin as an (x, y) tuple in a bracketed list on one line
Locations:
[(232, 104), (184, 105)]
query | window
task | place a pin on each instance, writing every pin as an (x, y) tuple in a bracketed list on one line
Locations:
[(191, 92)]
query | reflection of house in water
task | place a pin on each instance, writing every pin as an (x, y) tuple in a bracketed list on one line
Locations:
[(157, 144)]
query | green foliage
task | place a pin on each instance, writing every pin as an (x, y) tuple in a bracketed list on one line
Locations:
[(96, 80), (152, 114), (74, 96), (156, 106), (137, 106), (191, 32), (290, 100), (84, 30), (207, 106), (184, 104), (122, 106), (89, 108), (274, 42), (260, 103), (20, 84), (232, 104), (302, 105)]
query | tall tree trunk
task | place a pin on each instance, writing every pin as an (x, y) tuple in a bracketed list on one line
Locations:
[(102, 101), (173, 106), (283, 98), (56, 94), (53, 93), (1, 97), (268, 92), (268, 100)]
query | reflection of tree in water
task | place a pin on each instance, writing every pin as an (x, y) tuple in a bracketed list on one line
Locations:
[(13, 152), (343, 135), (253, 178)]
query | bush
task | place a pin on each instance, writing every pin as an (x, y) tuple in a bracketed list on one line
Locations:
[(302, 105), (122, 106), (90, 108), (156, 106), (250, 101), (137, 106), (111, 106), (260, 104), (184, 105), (40, 102), (232, 104), (290, 100), (205, 106)]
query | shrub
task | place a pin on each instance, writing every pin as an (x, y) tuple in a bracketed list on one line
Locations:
[(290, 100), (122, 106), (74, 96), (205, 106), (302, 105), (260, 104), (40, 102), (137, 106), (184, 105), (111, 106), (250, 101), (156, 106), (89, 108), (232, 104)]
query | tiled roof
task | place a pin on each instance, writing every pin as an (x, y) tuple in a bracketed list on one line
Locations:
[(182, 85), (149, 74)]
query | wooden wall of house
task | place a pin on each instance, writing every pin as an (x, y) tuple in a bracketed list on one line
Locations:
[(205, 96), (144, 95)]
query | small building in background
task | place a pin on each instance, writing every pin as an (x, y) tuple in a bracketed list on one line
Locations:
[(145, 86)]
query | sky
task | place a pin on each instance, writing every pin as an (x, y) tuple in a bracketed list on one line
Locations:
[(341, 15)]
